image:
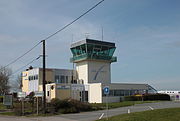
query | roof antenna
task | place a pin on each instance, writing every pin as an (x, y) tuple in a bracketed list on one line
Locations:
[(87, 35), (102, 33), (72, 38)]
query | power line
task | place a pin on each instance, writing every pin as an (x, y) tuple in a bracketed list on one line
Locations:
[(25, 65), (21, 56), (74, 20), (15, 60)]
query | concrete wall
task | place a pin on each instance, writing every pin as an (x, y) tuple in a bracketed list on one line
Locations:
[(94, 71), (63, 93), (57, 91), (49, 76), (124, 86), (25, 81), (95, 93), (99, 72), (52, 92), (82, 71)]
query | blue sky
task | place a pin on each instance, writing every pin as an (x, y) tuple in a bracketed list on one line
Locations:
[(146, 33)]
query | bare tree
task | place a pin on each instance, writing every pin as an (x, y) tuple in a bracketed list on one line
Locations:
[(5, 74), (16, 83)]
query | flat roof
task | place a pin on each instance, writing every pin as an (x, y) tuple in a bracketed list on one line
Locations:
[(92, 41)]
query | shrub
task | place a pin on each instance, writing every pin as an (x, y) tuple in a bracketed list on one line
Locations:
[(1, 99), (55, 104), (133, 98), (157, 97), (17, 109), (147, 97), (69, 106)]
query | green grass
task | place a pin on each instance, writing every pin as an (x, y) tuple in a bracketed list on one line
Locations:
[(2, 107), (171, 114), (8, 113), (119, 104), (96, 106)]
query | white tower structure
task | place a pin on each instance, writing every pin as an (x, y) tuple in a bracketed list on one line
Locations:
[(93, 60)]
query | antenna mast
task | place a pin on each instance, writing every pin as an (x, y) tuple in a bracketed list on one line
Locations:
[(102, 33)]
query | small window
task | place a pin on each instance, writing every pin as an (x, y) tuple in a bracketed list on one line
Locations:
[(57, 78), (47, 93), (62, 79), (66, 79), (36, 77)]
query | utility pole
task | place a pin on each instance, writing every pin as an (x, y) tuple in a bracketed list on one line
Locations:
[(44, 76)]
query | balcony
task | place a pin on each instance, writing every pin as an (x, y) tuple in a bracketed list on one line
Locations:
[(93, 57)]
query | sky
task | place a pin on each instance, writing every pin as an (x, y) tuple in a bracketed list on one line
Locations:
[(146, 33)]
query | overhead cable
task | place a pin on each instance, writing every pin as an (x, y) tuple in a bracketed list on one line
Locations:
[(15, 60), (74, 20), (21, 56), (25, 65)]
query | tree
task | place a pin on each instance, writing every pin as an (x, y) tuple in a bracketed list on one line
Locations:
[(16, 84), (5, 74)]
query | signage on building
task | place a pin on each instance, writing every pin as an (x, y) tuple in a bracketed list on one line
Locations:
[(22, 94), (63, 87), (8, 100), (79, 87), (106, 90), (24, 74), (38, 93)]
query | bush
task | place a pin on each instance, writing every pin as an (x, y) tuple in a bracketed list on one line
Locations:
[(17, 109), (133, 98), (1, 99), (69, 106), (148, 97), (157, 97)]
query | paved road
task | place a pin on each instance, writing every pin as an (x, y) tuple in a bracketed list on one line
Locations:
[(91, 116)]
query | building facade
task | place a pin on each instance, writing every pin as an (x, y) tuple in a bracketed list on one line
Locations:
[(93, 60)]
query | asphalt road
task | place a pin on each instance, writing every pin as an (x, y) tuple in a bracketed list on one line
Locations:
[(91, 116)]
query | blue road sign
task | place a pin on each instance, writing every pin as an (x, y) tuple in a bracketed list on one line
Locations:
[(106, 90)]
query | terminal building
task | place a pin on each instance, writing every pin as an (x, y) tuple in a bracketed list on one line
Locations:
[(86, 82)]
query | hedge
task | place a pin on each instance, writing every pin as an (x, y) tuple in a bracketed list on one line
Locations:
[(69, 106), (148, 97)]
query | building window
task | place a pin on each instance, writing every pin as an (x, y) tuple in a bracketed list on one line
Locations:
[(36, 77), (47, 93), (57, 79), (66, 79), (62, 79)]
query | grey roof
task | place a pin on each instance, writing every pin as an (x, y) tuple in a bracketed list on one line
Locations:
[(91, 41)]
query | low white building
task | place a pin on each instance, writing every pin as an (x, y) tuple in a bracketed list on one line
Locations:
[(174, 95)]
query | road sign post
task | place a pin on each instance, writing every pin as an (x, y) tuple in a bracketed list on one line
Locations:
[(106, 92), (37, 95), (22, 95), (8, 100)]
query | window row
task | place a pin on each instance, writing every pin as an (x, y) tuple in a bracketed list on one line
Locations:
[(125, 92), (62, 79), (34, 77)]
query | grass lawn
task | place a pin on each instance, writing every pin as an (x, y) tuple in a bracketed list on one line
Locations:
[(95, 106), (2, 107), (171, 114), (120, 104)]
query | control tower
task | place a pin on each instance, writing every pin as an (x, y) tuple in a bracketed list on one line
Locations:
[(93, 60)]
